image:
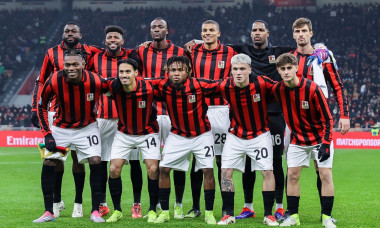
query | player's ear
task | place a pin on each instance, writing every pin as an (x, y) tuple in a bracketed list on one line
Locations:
[(311, 32)]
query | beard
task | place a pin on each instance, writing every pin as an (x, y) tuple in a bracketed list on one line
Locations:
[(71, 43), (114, 51)]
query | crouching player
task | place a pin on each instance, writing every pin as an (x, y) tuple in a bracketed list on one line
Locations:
[(137, 127), (308, 116), (248, 135), (76, 92)]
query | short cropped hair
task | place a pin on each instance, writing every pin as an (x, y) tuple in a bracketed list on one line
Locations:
[(241, 58), (131, 62), (301, 22), (162, 19), (73, 23), (212, 22), (185, 61), (261, 21), (285, 59), (74, 52), (114, 28)]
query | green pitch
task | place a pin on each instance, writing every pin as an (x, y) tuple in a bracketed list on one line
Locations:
[(356, 176)]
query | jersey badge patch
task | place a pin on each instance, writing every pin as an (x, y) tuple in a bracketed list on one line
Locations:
[(256, 97), (142, 104), (305, 104), (90, 97), (272, 59), (221, 64), (192, 98)]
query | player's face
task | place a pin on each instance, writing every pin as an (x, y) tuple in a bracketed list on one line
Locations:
[(259, 33), (114, 41), (127, 74), (73, 67), (240, 73), (210, 33), (158, 30), (302, 35), (288, 72), (71, 35), (177, 73)]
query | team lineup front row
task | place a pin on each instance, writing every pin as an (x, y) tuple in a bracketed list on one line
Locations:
[(302, 102)]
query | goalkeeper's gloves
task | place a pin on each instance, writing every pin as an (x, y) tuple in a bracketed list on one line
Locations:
[(320, 54), (35, 120), (324, 152), (50, 143)]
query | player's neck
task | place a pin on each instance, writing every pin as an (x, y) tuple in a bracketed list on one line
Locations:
[(211, 46), (242, 84), (263, 46), (160, 44), (129, 88), (115, 53), (292, 83), (305, 50)]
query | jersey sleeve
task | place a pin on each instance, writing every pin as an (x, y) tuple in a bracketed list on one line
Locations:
[(210, 88), (325, 115), (46, 69), (332, 76), (238, 48), (269, 84), (46, 93)]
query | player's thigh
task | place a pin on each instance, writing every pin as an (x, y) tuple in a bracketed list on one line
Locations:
[(327, 163), (220, 121), (260, 150), (203, 150), (62, 138), (107, 130), (234, 153), (164, 124), (149, 147), (87, 142), (277, 129), (177, 152), (122, 146), (298, 156)]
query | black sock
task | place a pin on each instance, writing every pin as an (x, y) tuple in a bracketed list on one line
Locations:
[(248, 179), (79, 185), (228, 202), (104, 181), (163, 195), (293, 204), (327, 204), (179, 185), (47, 185), (116, 188), (209, 199), (153, 193), (96, 185), (219, 165), (136, 179), (268, 198), (319, 187), (278, 173), (58, 186), (196, 179)]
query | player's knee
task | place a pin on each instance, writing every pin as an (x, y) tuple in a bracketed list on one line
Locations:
[(293, 176), (94, 160), (227, 173), (267, 174), (164, 171), (208, 173), (50, 162), (153, 171), (115, 171), (325, 175)]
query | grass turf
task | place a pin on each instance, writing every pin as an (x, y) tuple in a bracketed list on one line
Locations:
[(356, 179)]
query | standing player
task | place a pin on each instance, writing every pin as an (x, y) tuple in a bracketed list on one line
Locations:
[(308, 116), (302, 33), (248, 135), (137, 127), (153, 58), (211, 60), (53, 62), (105, 64), (76, 92), (190, 132)]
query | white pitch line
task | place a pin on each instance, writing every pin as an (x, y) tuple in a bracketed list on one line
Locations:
[(12, 163)]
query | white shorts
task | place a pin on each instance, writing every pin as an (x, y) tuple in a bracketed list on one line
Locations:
[(123, 145), (164, 125), (107, 130), (51, 120), (286, 139), (259, 149), (86, 141), (178, 149), (218, 116), (299, 156)]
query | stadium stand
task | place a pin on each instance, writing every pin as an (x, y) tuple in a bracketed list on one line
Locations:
[(354, 39)]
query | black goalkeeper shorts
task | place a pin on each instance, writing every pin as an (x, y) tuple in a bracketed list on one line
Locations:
[(277, 129)]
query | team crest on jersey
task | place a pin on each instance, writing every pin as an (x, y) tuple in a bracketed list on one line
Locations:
[(272, 59), (256, 97), (90, 97), (142, 104), (305, 104), (221, 64), (192, 98)]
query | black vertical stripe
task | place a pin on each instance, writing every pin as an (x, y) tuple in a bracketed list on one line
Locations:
[(308, 112), (56, 57), (195, 110), (240, 108), (195, 58), (60, 79), (82, 101), (288, 104), (134, 112), (247, 93), (203, 63), (213, 65), (145, 59), (144, 95), (298, 114), (260, 104), (185, 110), (93, 90), (325, 113)]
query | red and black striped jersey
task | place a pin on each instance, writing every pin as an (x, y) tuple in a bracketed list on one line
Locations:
[(105, 65), (248, 106), (135, 109), (75, 102), (153, 61), (331, 75), (212, 64), (306, 112), (53, 62), (186, 106)]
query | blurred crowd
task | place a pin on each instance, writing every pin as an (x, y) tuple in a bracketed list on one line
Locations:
[(350, 31)]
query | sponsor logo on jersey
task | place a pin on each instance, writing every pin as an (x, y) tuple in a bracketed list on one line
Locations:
[(272, 59), (256, 97), (305, 104), (142, 104), (90, 96), (221, 64), (192, 98)]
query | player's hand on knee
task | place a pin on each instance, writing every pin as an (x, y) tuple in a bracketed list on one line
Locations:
[(34, 119), (324, 152), (50, 143)]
